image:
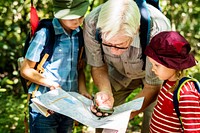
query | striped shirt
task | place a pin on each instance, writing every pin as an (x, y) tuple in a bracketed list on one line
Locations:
[(164, 118)]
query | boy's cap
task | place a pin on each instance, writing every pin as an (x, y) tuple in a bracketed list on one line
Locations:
[(70, 9), (171, 49)]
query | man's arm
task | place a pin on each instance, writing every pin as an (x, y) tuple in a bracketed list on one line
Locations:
[(150, 92), (95, 60), (104, 97), (100, 77)]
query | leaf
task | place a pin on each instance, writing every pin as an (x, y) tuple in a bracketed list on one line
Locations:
[(2, 90)]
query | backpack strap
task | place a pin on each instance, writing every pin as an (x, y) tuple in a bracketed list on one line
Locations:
[(99, 39), (50, 37), (81, 53), (48, 47), (145, 26), (154, 3), (81, 43), (176, 95), (44, 23)]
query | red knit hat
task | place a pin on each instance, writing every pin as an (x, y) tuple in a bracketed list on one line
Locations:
[(171, 49)]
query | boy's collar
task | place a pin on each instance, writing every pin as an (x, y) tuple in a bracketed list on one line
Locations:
[(60, 30)]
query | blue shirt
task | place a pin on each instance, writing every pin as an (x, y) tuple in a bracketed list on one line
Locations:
[(62, 68)]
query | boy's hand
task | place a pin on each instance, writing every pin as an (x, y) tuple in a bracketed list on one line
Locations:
[(54, 85), (50, 112)]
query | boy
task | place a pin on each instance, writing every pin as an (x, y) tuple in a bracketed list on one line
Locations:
[(61, 70)]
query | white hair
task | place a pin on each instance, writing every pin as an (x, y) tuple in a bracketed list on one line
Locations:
[(119, 15)]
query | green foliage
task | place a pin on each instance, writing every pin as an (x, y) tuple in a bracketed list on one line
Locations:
[(134, 124), (12, 104), (184, 18), (12, 114), (14, 26)]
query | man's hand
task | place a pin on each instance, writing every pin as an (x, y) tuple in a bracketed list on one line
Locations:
[(103, 104)]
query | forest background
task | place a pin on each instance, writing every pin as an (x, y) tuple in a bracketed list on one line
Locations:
[(14, 26)]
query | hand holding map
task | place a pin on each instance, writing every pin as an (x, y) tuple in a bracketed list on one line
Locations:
[(77, 107)]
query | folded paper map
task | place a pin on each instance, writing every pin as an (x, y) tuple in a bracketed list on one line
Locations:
[(77, 107)]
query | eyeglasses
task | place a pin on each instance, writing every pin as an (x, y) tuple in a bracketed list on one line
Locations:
[(114, 46)]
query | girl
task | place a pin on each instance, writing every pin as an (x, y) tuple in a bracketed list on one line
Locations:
[(169, 54)]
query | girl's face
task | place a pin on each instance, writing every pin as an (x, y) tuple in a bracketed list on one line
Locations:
[(71, 24), (162, 72)]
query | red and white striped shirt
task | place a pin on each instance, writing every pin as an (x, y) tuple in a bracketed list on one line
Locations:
[(164, 118)]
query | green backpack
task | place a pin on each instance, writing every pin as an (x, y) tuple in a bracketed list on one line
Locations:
[(176, 95)]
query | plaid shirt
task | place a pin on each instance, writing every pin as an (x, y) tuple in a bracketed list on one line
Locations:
[(62, 68)]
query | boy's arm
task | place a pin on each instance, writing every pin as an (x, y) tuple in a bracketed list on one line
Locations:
[(28, 72)]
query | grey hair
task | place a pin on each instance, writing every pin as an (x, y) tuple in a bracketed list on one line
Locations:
[(119, 15)]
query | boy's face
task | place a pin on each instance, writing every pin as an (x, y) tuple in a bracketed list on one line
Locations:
[(162, 72), (71, 24)]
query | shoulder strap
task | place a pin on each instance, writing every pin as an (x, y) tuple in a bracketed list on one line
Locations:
[(47, 51), (176, 95), (99, 39), (145, 26), (50, 40), (50, 37), (154, 3), (81, 44), (80, 38), (197, 84), (81, 52)]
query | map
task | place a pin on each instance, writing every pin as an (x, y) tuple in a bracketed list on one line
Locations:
[(77, 107)]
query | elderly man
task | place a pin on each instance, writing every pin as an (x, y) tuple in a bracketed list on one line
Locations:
[(113, 49)]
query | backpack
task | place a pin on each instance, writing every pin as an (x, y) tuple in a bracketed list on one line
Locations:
[(47, 52), (145, 26), (176, 95)]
